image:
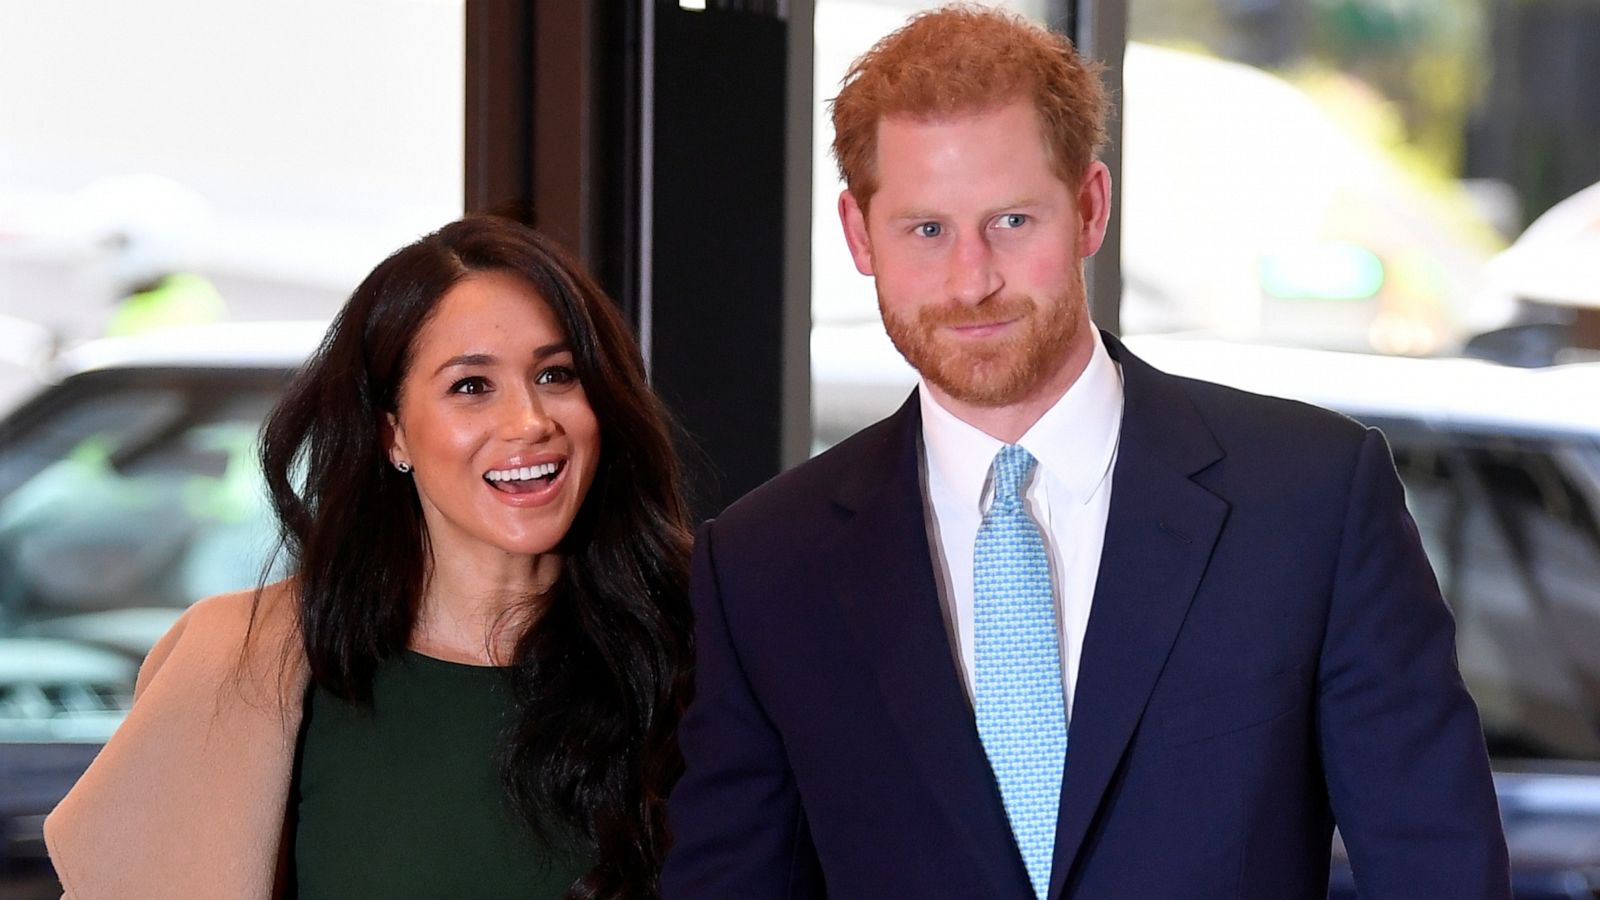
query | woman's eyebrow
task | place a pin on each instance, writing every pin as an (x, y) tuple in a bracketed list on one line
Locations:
[(467, 359), (489, 359)]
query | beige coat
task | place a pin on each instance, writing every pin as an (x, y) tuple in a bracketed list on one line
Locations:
[(187, 799)]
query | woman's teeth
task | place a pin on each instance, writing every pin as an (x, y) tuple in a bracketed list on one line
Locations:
[(525, 473)]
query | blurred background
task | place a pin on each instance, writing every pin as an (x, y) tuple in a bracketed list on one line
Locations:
[(1388, 207)]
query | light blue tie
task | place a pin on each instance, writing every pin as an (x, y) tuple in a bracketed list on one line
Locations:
[(1022, 716)]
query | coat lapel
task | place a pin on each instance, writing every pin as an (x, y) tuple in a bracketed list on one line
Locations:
[(1159, 536), (886, 586)]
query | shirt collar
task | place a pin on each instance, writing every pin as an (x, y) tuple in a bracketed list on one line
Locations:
[(1075, 440)]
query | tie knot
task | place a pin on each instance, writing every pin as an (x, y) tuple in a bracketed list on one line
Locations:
[(1012, 466)]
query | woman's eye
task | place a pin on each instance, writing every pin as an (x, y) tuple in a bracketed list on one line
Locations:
[(475, 384), (557, 375), (1011, 220), (929, 229)]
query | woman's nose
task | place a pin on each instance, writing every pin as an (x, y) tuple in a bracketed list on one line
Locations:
[(528, 419)]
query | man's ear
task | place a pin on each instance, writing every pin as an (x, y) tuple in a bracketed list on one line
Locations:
[(854, 220), (1094, 208)]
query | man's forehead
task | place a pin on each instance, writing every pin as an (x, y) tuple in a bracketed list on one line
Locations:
[(900, 139), (955, 114)]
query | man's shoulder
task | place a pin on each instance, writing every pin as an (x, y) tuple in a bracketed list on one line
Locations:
[(1233, 403), (1234, 415), (1268, 454)]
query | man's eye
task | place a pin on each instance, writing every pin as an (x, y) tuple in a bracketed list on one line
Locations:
[(557, 375), (1011, 220), (475, 384), (929, 229)]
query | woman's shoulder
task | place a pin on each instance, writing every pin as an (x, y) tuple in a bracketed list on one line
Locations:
[(228, 628), (240, 607)]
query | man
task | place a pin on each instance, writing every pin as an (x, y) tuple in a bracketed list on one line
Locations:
[(1062, 626)]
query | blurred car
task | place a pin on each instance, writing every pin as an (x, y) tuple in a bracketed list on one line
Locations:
[(129, 488), (1502, 472), (1552, 272)]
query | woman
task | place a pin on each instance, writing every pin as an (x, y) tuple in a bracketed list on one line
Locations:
[(469, 687)]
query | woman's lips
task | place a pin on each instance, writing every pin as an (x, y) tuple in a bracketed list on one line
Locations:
[(527, 485)]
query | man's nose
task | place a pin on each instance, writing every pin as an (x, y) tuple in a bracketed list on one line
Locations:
[(972, 273)]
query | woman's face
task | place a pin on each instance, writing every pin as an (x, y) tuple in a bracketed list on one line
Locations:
[(494, 423)]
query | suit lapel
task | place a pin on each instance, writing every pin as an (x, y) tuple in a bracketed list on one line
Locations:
[(1159, 536), (886, 587)]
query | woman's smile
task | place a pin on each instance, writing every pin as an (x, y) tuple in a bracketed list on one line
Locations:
[(527, 484)]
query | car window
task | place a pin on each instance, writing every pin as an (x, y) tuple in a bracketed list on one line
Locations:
[(1510, 525), (127, 497)]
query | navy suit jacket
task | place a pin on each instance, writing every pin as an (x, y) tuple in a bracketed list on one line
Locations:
[(1267, 655)]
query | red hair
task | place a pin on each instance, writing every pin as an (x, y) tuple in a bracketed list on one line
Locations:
[(968, 59)]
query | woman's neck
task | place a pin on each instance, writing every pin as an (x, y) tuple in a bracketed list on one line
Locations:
[(476, 611)]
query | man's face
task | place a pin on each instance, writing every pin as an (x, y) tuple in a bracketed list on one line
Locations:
[(976, 245)]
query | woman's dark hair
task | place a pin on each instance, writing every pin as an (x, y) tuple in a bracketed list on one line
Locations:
[(601, 677)]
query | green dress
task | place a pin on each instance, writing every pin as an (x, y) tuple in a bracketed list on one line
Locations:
[(404, 800)]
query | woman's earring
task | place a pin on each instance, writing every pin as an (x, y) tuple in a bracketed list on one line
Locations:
[(403, 466)]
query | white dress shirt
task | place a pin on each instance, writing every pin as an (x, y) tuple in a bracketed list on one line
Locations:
[(1068, 496)]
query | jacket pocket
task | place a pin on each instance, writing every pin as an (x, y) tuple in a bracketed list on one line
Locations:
[(1233, 709)]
